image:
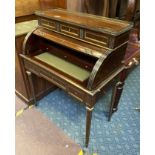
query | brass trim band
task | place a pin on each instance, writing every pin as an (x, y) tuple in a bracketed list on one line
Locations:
[(90, 109)]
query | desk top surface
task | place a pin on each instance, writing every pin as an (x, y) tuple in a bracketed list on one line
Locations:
[(99, 23)]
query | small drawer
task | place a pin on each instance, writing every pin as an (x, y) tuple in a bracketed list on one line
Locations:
[(44, 74), (96, 38), (69, 30), (49, 24), (76, 93), (30, 66)]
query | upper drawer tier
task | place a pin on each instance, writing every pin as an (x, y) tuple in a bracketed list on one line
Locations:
[(89, 36), (95, 30), (96, 23)]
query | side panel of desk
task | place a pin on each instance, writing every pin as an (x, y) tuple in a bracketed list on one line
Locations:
[(42, 87)]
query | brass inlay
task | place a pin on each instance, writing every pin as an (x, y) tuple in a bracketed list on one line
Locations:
[(90, 109), (126, 25), (88, 37), (80, 40), (70, 30), (47, 23)]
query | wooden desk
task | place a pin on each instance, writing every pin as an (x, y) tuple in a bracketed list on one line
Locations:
[(93, 46)]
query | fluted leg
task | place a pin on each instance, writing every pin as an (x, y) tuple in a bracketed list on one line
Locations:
[(116, 95), (88, 124), (32, 87)]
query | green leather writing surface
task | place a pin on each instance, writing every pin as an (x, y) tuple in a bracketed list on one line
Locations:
[(64, 66)]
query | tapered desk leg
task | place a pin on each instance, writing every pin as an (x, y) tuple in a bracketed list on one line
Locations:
[(88, 124), (32, 87), (117, 91)]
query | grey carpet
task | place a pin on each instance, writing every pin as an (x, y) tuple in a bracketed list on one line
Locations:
[(36, 135)]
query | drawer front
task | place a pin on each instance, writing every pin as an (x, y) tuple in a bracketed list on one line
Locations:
[(69, 30), (55, 80), (48, 24), (76, 93), (96, 38), (31, 67), (45, 74)]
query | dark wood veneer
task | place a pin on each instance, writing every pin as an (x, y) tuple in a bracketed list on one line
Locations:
[(93, 43)]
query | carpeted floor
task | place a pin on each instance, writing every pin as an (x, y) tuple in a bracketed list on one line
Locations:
[(36, 135), (121, 136)]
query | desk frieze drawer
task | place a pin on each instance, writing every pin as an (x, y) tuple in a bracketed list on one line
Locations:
[(76, 93), (31, 67), (96, 38), (69, 30), (52, 78), (44, 74), (58, 82), (50, 24)]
